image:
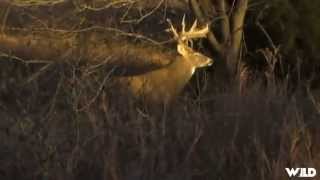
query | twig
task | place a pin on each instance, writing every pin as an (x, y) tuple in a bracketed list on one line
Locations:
[(116, 30), (32, 61), (137, 21), (92, 68), (5, 18), (26, 3), (37, 20), (312, 98), (54, 99), (232, 8), (194, 143), (97, 93), (109, 5), (266, 34), (259, 16), (37, 74)]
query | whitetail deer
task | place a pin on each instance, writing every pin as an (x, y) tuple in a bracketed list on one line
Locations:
[(162, 85)]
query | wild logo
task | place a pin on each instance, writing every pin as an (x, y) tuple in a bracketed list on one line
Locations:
[(301, 172)]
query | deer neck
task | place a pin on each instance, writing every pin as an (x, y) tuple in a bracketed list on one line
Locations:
[(180, 71), (182, 66)]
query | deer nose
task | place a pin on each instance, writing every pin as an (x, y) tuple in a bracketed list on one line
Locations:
[(210, 61)]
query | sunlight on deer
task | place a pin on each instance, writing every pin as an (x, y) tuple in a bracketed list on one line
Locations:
[(164, 84)]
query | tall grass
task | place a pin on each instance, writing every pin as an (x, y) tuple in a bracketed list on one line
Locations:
[(65, 121)]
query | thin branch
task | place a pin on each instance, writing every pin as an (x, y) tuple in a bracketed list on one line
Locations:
[(25, 3), (5, 18), (33, 61), (102, 85), (118, 3), (211, 37), (266, 34), (315, 101), (91, 28), (232, 8), (139, 20), (263, 29), (38, 73), (225, 23)]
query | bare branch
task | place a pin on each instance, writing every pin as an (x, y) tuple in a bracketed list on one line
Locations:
[(118, 3), (211, 37), (5, 17), (237, 25), (225, 23), (139, 20), (23, 3), (264, 31), (91, 28)]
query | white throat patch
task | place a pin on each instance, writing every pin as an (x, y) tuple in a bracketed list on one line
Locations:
[(193, 70)]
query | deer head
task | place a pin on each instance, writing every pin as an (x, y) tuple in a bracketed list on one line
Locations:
[(184, 38)]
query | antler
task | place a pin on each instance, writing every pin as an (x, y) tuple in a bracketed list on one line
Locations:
[(194, 31)]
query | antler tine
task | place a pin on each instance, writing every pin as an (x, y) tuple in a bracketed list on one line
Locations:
[(183, 24), (194, 26), (173, 30), (204, 31), (194, 33)]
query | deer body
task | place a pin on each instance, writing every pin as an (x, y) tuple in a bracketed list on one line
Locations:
[(162, 85)]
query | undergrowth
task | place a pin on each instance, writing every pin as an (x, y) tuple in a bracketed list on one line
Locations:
[(66, 121)]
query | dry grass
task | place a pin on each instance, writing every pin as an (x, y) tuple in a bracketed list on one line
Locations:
[(64, 123), (66, 120)]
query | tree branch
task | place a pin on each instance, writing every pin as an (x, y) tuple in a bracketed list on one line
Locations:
[(237, 25), (211, 37), (225, 23)]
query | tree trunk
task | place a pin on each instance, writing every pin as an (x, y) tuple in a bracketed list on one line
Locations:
[(226, 38)]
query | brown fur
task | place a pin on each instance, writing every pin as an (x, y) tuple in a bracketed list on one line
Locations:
[(164, 84)]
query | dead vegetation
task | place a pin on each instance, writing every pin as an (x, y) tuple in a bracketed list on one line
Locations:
[(64, 121), (63, 118)]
